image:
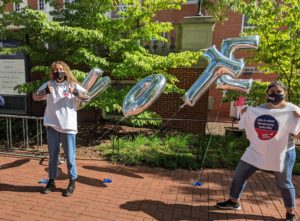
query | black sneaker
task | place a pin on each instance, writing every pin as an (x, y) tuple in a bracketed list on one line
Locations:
[(70, 189), (290, 217), (229, 205), (50, 187)]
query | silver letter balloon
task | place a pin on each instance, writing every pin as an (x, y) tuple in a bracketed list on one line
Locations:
[(229, 46), (226, 82), (143, 94), (218, 64), (221, 64), (99, 87), (91, 78), (94, 84)]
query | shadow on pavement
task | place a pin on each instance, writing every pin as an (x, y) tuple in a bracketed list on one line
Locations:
[(16, 163), (164, 212), (81, 179), (13, 188), (114, 171)]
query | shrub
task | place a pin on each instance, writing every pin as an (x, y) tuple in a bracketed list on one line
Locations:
[(176, 150)]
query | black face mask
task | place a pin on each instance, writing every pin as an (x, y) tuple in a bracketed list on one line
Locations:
[(275, 98), (59, 75)]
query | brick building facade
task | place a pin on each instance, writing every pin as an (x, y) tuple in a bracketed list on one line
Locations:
[(188, 119)]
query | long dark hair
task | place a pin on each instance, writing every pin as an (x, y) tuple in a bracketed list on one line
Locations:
[(278, 84)]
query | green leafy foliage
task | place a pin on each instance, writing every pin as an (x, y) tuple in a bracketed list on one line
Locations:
[(278, 25), (145, 118), (296, 170), (176, 150), (82, 35), (256, 96)]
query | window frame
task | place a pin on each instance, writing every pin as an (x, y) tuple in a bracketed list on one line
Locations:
[(245, 25), (68, 1), (191, 2), (43, 4), (17, 7)]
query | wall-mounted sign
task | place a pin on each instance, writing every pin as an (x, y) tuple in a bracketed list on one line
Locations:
[(12, 72)]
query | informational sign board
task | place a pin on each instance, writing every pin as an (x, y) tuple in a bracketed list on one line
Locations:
[(12, 72)]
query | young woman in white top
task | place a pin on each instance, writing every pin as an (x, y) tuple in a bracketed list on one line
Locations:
[(60, 119), (276, 94)]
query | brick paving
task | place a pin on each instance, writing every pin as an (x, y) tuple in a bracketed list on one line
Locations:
[(139, 193)]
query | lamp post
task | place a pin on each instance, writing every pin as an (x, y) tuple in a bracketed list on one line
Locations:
[(199, 8)]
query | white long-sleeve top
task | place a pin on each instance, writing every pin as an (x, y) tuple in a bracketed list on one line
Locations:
[(61, 110)]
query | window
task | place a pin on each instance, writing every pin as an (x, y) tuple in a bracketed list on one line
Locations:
[(68, 1), (119, 8), (245, 24), (41, 4), (17, 7), (191, 1), (249, 70)]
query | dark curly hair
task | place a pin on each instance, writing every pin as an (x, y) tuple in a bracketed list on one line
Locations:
[(277, 83)]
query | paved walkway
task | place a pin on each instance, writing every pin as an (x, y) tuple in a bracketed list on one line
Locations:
[(140, 194)]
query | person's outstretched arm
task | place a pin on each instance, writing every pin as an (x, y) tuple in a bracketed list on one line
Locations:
[(41, 93)]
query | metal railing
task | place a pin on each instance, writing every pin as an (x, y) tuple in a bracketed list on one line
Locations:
[(38, 135)]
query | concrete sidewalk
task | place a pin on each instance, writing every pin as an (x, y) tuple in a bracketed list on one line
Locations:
[(139, 193)]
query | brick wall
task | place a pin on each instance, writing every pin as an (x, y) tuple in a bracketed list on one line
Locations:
[(229, 29), (33, 4), (192, 119), (176, 16)]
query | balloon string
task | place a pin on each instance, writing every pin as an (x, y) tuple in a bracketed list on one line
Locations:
[(112, 128), (199, 177), (180, 108), (167, 121)]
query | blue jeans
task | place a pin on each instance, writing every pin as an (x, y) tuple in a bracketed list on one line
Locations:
[(284, 179), (69, 144)]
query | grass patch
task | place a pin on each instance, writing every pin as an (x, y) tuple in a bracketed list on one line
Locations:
[(175, 150), (179, 150)]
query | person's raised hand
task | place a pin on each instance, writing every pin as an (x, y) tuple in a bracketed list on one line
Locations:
[(49, 88), (71, 89), (297, 113), (244, 110)]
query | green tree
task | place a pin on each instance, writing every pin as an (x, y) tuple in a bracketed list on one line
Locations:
[(84, 36), (278, 25)]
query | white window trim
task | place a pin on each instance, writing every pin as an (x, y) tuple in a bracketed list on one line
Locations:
[(191, 2), (39, 5), (17, 7), (245, 27), (21, 5), (68, 1)]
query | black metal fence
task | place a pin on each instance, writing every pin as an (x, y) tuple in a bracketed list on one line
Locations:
[(21, 132)]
